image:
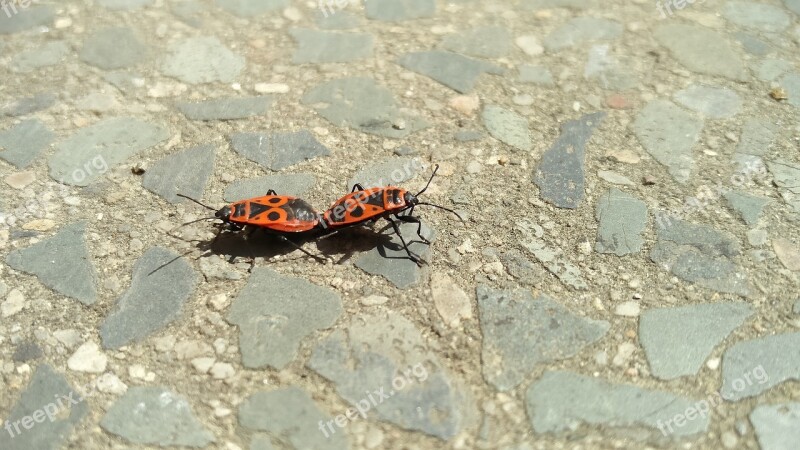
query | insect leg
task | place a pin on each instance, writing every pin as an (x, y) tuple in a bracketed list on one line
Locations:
[(405, 245)]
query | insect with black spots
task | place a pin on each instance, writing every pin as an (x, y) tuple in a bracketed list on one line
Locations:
[(369, 205), (273, 214)]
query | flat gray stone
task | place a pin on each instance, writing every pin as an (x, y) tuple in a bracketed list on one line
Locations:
[(271, 327), (615, 178), (251, 8), (294, 185), (278, 150), (757, 137), (27, 351), (747, 206), (60, 262), (202, 59), (777, 426), (752, 44), (556, 263), (330, 17), (26, 18), (185, 172), (161, 283), (451, 69), (123, 80), (362, 104), (399, 10), (468, 135), (507, 126), (771, 69), (113, 48), (752, 367), (606, 70), (521, 333), (230, 108), (699, 254), (791, 83), (677, 341), (49, 54), (483, 42), (622, 219), (560, 173), (793, 5), (28, 105), (712, 102), (390, 260), (563, 401), (124, 5), (387, 353), (668, 133), (290, 414), (536, 74), (319, 47), (155, 416), (390, 171), (536, 5), (786, 175), (86, 155), (25, 141), (45, 387), (580, 31), (796, 309), (760, 16), (701, 50), (261, 442)]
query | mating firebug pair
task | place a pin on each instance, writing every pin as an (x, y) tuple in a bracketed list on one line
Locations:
[(283, 216)]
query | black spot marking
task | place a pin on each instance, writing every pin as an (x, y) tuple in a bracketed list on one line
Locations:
[(395, 196), (274, 215), (256, 209), (275, 200), (357, 212), (376, 199)]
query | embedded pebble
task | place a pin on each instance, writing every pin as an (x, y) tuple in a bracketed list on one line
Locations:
[(278, 150), (88, 358), (61, 262), (362, 104), (160, 284), (560, 173), (562, 401), (507, 126), (668, 133), (199, 60), (455, 71), (521, 332), (272, 328), (450, 300), (622, 218), (678, 340), (113, 48), (45, 385), (712, 102), (155, 416), (226, 108)]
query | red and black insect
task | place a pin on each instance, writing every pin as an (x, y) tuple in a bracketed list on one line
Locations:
[(276, 215), (366, 205)]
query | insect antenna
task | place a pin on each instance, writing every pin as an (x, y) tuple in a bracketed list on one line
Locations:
[(435, 168), (196, 201), (442, 207)]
